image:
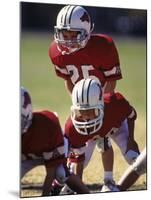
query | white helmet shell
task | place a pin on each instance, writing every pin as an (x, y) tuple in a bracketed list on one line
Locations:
[(86, 95), (73, 18)]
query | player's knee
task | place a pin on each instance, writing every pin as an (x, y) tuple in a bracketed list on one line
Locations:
[(103, 144), (131, 156)]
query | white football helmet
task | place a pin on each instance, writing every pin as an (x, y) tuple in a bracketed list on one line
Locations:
[(26, 110), (87, 96), (72, 18)]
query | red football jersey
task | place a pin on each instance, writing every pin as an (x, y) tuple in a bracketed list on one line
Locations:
[(116, 110), (98, 60), (44, 139)]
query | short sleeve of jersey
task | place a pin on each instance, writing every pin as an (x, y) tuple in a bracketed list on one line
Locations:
[(54, 55), (125, 109), (55, 154), (111, 64)]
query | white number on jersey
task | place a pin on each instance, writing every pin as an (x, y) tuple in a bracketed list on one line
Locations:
[(73, 70)]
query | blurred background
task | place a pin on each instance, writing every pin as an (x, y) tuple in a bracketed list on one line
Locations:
[(128, 28), (42, 17)]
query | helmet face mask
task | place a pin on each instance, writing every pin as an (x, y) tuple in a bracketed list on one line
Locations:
[(90, 124), (72, 19), (73, 44), (87, 110), (26, 110)]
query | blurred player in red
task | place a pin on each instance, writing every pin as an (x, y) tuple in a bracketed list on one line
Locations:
[(77, 53), (42, 143), (92, 118), (134, 171)]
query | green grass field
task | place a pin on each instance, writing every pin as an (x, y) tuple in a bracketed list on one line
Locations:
[(48, 92)]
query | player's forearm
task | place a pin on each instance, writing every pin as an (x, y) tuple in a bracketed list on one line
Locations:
[(47, 186), (69, 86), (50, 175), (76, 184), (131, 126), (79, 169), (109, 87)]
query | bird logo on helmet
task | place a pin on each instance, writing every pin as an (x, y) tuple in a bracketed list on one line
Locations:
[(85, 17)]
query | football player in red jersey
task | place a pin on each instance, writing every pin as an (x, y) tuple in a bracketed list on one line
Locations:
[(92, 118), (77, 53), (42, 143)]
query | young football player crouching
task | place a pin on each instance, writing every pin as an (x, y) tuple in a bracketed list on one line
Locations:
[(42, 143), (92, 118)]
